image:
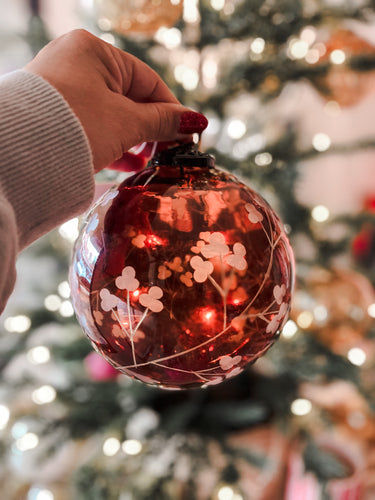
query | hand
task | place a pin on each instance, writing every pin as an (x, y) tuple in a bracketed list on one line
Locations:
[(119, 100)]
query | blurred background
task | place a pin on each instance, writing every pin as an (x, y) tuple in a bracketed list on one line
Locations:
[(289, 90)]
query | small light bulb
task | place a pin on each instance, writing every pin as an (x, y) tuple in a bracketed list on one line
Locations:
[(357, 356), (39, 355), (17, 324), (236, 129), (69, 230), (301, 407), (321, 142), (337, 56), (305, 319), (111, 446), (27, 442), (132, 447), (320, 213), (289, 330), (43, 395), (52, 302)]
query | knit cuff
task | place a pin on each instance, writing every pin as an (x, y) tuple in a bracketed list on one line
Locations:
[(46, 168)]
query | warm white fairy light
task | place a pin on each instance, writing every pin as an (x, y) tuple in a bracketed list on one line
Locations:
[(209, 73), (169, 37), (227, 493), (43, 395), (69, 230), (4, 416), (337, 56), (111, 446), (312, 56), (27, 442), (357, 356), (320, 313), (297, 48), (37, 493), (17, 324), (258, 45), (263, 159), (321, 142), (52, 302), (39, 355), (305, 319), (104, 24), (301, 407), (187, 76), (19, 429), (371, 310), (108, 37), (289, 330), (132, 446), (308, 34), (320, 213), (66, 309), (217, 4), (236, 129), (64, 289), (191, 12)]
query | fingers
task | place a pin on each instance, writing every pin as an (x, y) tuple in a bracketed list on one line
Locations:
[(144, 85), (167, 121)]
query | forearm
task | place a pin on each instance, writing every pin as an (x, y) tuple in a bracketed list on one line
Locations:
[(46, 171)]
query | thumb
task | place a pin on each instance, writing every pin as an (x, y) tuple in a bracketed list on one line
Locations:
[(159, 121)]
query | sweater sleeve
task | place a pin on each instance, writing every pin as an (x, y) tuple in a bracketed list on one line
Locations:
[(46, 168)]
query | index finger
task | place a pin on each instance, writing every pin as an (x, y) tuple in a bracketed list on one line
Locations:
[(142, 83)]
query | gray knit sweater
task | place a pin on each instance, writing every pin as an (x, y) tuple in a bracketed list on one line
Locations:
[(46, 170)]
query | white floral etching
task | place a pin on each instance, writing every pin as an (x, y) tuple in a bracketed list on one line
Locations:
[(211, 261)]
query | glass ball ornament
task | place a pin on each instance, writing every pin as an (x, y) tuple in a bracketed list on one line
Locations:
[(143, 17), (182, 275)]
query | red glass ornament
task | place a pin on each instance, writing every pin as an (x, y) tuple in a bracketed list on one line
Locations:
[(183, 274)]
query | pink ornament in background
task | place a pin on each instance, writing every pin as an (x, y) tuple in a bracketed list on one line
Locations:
[(182, 275), (99, 369)]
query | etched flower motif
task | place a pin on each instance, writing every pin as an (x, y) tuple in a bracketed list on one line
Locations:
[(109, 301), (198, 247), (254, 215), (227, 362), (150, 299), (139, 240), (186, 279), (279, 293), (93, 224), (163, 272), (109, 196), (273, 325), (282, 311), (234, 372), (216, 246), (205, 236), (237, 260), (202, 268), (214, 381), (175, 265), (98, 316), (127, 280)]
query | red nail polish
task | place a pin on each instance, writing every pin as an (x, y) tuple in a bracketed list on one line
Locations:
[(191, 122)]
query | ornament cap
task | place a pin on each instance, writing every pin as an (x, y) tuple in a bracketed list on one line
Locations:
[(185, 155)]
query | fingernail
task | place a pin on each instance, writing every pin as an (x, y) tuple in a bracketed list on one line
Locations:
[(191, 122)]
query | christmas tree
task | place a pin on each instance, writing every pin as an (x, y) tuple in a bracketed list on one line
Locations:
[(287, 87)]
